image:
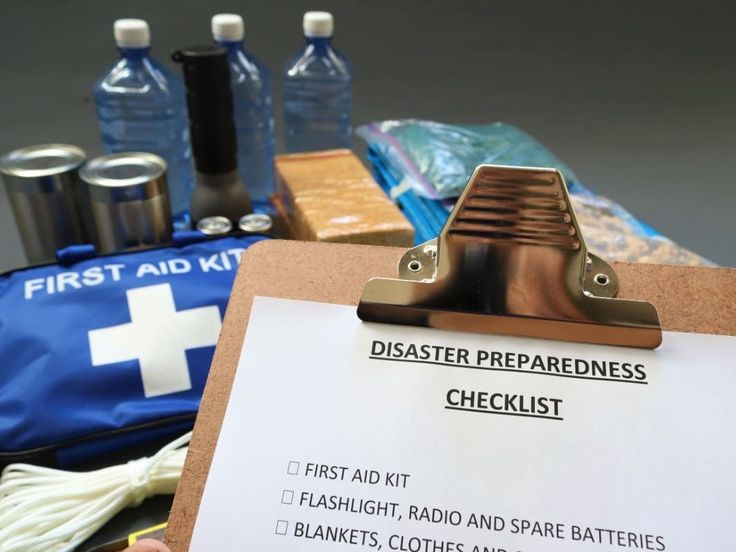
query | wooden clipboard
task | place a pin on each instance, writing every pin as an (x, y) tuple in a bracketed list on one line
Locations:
[(689, 299)]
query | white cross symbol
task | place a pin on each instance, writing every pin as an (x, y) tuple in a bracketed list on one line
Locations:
[(158, 336)]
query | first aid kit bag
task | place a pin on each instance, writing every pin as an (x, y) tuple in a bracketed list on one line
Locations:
[(101, 353)]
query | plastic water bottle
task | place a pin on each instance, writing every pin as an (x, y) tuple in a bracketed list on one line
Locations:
[(317, 91), (251, 85), (140, 107)]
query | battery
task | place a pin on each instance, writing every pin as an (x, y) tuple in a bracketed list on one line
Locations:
[(43, 188), (255, 223), (214, 226), (128, 200)]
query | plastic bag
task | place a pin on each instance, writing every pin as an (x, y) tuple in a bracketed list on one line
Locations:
[(614, 234), (421, 164), (437, 159)]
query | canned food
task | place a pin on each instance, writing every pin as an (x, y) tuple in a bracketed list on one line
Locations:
[(43, 189), (214, 226), (128, 199), (255, 223)]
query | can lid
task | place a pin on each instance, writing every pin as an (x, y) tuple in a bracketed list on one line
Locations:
[(255, 222), (41, 160), (126, 176), (123, 169), (214, 226)]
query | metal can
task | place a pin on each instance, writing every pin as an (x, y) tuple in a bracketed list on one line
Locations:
[(255, 223), (43, 189), (128, 200), (215, 226)]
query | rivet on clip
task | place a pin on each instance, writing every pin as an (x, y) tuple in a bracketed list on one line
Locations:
[(511, 260)]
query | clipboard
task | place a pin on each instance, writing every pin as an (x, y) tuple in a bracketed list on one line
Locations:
[(687, 299)]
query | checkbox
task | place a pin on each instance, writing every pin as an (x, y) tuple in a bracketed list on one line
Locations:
[(281, 527), (293, 468), (287, 497)]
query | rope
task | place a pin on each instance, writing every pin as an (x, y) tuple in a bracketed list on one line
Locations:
[(49, 510)]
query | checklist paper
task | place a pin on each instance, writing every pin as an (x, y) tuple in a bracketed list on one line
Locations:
[(342, 435)]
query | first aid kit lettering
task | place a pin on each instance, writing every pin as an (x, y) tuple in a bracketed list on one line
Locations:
[(64, 282), (163, 268)]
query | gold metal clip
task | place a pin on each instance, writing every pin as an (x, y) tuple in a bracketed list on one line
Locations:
[(511, 260)]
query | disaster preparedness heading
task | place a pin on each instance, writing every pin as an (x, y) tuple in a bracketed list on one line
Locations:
[(510, 361)]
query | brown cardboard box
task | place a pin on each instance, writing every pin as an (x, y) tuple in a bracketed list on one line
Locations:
[(329, 196)]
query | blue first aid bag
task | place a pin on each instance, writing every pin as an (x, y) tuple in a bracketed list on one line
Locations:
[(111, 351)]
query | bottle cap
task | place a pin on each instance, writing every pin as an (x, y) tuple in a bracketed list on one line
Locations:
[(318, 24), (132, 33), (227, 27)]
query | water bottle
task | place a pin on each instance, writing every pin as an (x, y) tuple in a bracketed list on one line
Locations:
[(317, 91), (251, 85), (140, 107)]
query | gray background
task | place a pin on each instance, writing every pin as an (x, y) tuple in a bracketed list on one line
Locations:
[(637, 97)]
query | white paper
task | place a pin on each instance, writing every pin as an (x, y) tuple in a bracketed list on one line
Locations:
[(643, 462)]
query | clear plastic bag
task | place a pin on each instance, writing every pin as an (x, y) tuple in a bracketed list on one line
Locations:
[(614, 234), (437, 159), (434, 160)]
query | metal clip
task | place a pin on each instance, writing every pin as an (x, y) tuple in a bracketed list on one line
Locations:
[(511, 260)]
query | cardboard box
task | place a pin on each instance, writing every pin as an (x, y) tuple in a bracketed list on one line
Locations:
[(329, 196)]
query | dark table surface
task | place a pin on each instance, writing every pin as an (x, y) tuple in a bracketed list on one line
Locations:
[(637, 97)]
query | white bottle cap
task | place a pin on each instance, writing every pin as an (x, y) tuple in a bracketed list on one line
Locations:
[(318, 23), (227, 27), (132, 33)]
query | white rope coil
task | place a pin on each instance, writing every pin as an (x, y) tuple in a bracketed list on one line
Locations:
[(49, 510)]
